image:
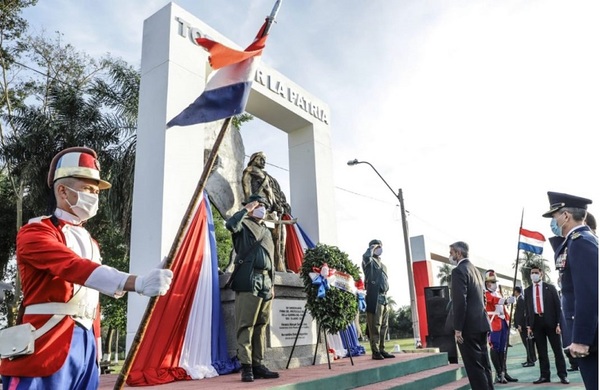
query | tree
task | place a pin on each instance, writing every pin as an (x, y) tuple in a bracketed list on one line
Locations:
[(445, 275), (526, 262), (391, 303), (76, 101), (52, 113), (13, 93), (404, 323)]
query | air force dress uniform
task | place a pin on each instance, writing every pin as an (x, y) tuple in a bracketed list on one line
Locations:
[(577, 261)]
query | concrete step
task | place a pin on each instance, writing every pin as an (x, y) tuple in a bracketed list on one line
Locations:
[(371, 377), (425, 379), (461, 384)]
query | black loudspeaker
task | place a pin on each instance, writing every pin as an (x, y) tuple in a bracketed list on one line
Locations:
[(436, 304), (445, 344)]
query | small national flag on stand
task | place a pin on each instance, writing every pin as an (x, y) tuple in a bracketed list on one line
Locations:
[(228, 87), (531, 241)]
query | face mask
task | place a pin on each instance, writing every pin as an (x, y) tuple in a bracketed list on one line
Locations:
[(535, 278), (86, 206), (452, 260), (493, 287), (556, 229), (378, 251), (259, 212)]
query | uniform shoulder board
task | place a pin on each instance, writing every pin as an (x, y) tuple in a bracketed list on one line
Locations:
[(575, 235)]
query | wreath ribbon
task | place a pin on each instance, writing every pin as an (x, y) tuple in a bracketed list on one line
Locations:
[(321, 279), (323, 286)]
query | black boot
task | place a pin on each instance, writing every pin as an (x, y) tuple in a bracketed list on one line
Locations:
[(503, 363), (495, 358), (247, 375), (262, 372)]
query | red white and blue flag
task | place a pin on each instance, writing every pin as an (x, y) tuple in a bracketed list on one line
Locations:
[(531, 241), (185, 338), (297, 241), (228, 87)]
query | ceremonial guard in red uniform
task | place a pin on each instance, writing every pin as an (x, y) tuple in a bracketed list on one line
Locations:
[(500, 324), (62, 276)]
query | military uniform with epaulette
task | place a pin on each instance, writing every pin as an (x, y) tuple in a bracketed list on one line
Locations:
[(576, 259)]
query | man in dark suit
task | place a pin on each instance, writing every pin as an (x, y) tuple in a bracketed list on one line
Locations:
[(521, 326), (543, 322), (471, 325), (576, 258)]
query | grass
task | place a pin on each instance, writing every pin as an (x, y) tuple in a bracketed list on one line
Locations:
[(408, 343)]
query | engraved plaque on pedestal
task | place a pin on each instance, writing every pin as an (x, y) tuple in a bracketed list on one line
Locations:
[(286, 315)]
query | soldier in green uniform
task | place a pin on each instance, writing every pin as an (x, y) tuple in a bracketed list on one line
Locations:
[(252, 280), (376, 282)]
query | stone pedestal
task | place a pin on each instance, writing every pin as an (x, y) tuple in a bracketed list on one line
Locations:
[(286, 314)]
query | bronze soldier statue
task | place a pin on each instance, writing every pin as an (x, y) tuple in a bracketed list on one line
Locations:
[(256, 181)]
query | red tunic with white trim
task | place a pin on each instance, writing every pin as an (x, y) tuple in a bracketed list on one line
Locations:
[(496, 310), (54, 262)]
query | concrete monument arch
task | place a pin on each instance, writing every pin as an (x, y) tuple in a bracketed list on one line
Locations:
[(169, 162)]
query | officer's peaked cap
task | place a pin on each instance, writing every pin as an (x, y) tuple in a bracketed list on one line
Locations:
[(375, 242), (559, 200)]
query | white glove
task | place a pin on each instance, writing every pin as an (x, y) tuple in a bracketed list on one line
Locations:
[(156, 282), (510, 300)]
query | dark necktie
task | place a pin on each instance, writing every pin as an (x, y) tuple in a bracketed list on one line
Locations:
[(538, 301)]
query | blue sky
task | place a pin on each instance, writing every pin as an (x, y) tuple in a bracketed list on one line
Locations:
[(475, 108)]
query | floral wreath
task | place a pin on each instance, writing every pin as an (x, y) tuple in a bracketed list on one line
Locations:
[(334, 290)]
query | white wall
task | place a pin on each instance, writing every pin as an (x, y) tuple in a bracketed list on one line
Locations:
[(169, 162)]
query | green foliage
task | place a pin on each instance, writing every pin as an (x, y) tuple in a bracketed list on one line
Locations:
[(529, 260), (8, 223), (338, 308), (223, 237), (399, 323), (238, 120), (402, 324), (12, 26), (445, 275), (115, 253)]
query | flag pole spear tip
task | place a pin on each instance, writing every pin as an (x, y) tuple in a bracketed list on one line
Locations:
[(274, 11), (271, 18)]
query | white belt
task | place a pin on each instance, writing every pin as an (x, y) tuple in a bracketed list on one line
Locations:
[(494, 314), (51, 323), (65, 309)]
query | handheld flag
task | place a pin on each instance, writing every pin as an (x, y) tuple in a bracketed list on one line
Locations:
[(531, 241), (228, 87)]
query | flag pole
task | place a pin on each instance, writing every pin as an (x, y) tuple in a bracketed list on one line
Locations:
[(183, 228), (513, 289)]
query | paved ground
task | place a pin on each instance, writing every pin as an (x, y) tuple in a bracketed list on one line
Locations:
[(230, 382)]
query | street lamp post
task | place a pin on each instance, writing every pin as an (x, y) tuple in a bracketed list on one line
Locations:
[(411, 282)]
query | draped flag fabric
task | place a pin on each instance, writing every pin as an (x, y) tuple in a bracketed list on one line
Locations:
[(228, 87), (185, 338), (531, 241), (297, 241)]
